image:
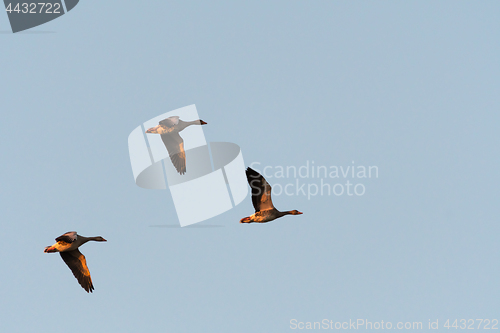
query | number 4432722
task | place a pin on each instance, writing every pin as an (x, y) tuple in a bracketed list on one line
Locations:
[(471, 324), (35, 8)]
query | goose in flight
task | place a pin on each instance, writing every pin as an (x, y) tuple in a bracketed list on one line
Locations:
[(67, 245), (261, 199), (169, 129)]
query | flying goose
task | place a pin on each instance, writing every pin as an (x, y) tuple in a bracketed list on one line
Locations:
[(261, 199), (67, 245), (169, 129)]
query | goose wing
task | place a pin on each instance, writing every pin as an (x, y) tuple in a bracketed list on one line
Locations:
[(170, 121), (175, 147), (261, 190), (68, 237), (78, 265)]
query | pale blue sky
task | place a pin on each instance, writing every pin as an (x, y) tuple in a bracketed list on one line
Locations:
[(411, 87)]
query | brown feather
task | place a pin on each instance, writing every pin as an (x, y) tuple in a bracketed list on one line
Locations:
[(78, 265), (175, 147), (261, 190)]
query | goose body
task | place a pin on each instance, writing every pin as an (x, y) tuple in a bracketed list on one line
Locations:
[(169, 129), (261, 199), (67, 245)]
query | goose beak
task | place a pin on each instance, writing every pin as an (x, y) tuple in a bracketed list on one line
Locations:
[(299, 213), (202, 122), (245, 220), (104, 240)]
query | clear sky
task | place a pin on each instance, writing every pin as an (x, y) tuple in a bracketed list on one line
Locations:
[(409, 87)]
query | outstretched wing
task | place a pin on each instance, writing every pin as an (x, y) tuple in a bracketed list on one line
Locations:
[(175, 148), (170, 121), (68, 237), (78, 265), (261, 190)]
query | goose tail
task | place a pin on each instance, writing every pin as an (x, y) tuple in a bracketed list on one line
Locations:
[(49, 249)]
